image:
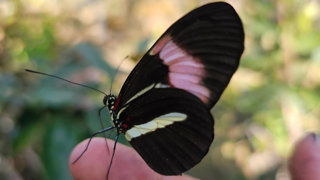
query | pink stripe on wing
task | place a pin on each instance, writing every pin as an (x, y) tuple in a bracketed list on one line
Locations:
[(190, 63), (185, 71), (196, 89), (157, 48), (172, 56), (186, 77), (178, 60), (170, 47)]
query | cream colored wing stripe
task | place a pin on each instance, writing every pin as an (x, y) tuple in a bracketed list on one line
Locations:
[(134, 97), (141, 92), (158, 85), (159, 122)]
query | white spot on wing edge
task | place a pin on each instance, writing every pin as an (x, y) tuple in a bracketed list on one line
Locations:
[(154, 124)]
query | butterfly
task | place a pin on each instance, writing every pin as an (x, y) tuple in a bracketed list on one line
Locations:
[(163, 108)]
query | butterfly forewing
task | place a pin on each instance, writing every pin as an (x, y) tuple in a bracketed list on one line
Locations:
[(199, 53)]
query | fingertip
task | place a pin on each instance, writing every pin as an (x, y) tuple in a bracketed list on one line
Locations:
[(315, 139), (95, 162), (92, 163), (305, 160)]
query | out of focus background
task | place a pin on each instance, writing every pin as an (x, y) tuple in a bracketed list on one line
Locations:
[(271, 102)]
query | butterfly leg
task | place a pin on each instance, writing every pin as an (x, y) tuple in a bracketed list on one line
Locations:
[(114, 150), (101, 124), (99, 132)]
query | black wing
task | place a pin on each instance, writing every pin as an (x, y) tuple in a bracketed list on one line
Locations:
[(176, 144), (209, 41)]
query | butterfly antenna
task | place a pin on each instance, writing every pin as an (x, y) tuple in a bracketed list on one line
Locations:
[(99, 132), (101, 124), (37, 72), (117, 70), (114, 150)]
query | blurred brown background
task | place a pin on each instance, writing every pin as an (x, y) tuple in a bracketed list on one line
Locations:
[(271, 102)]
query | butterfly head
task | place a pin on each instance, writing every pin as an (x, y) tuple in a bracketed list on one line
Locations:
[(109, 101)]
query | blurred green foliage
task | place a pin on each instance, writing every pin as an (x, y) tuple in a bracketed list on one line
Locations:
[(272, 100)]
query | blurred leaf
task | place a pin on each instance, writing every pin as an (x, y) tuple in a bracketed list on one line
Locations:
[(60, 138), (92, 55)]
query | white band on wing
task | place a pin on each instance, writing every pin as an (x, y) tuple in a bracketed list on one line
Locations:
[(159, 122)]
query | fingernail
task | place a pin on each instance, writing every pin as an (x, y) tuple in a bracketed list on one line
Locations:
[(315, 138)]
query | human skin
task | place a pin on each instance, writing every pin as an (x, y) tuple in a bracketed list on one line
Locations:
[(304, 163), (127, 163)]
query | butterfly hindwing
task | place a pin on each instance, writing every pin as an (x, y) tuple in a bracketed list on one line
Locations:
[(170, 128)]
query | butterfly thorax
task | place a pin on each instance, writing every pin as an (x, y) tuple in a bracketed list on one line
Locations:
[(110, 101)]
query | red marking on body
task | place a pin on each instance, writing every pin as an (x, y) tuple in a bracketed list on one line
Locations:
[(125, 125), (117, 102)]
